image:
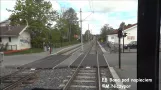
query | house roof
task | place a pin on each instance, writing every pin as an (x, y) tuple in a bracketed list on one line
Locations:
[(11, 30), (5, 21), (125, 28)]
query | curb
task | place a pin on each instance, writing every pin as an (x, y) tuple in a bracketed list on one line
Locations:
[(112, 71)]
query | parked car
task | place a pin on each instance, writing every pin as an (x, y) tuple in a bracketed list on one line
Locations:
[(131, 45)]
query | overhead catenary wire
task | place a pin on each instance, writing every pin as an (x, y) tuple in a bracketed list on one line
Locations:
[(90, 4)]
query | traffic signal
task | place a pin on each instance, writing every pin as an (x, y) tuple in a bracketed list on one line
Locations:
[(120, 33), (125, 34)]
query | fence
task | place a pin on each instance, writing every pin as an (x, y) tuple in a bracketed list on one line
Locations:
[(113, 47), (7, 47)]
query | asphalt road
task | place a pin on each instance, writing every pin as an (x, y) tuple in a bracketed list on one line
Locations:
[(128, 66), (53, 61), (91, 58), (19, 60), (46, 63)]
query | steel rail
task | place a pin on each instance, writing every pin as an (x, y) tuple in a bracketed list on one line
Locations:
[(76, 72), (18, 82), (98, 71)]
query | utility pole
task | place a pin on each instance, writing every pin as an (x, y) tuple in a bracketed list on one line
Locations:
[(120, 35), (70, 33), (88, 32), (1, 60), (123, 40), (123, 44), (81, 28), (120, 32)]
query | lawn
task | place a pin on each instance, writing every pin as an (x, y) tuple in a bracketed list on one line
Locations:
[(29, 51)]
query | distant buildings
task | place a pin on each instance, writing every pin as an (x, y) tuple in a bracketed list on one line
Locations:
[(16, 36), (131, 31)]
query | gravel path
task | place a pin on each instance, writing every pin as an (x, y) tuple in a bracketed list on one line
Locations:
[(50, 79)]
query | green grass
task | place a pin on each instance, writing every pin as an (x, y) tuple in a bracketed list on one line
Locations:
[(29, 51)]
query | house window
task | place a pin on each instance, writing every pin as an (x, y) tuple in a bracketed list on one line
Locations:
[(0, 39), (9, 38), (112, 37), (131, 37)]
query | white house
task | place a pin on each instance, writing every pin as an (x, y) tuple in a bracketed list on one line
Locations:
[(131, 31), (16, 36), (131, 34)]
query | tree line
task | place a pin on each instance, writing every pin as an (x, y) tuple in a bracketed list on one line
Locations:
[(40, 17)]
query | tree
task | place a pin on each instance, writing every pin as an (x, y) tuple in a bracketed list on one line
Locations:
[(38, 13), (87, 35), (68, 24), (105, 30), (72, 22)]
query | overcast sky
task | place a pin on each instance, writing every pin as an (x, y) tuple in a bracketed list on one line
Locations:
[(111, 12)]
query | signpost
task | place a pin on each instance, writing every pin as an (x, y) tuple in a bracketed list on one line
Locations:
[(1, 60), (120, 35)]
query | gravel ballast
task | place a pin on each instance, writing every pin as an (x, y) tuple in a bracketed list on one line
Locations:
[(6, 71), (50, 79)]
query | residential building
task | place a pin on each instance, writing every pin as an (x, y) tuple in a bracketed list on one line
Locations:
[(131, 31), (16, 36), (4, 23)]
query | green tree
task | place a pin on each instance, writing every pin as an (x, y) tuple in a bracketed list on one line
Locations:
[(38, 13), (72, 22), (87, 35), (105, 30), (68, 25)]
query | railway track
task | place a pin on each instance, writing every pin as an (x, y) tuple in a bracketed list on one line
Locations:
[(22, 77), (85, 78), (18, 79)]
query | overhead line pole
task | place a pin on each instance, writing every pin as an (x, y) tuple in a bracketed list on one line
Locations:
[(81, 28), (88, 32)]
